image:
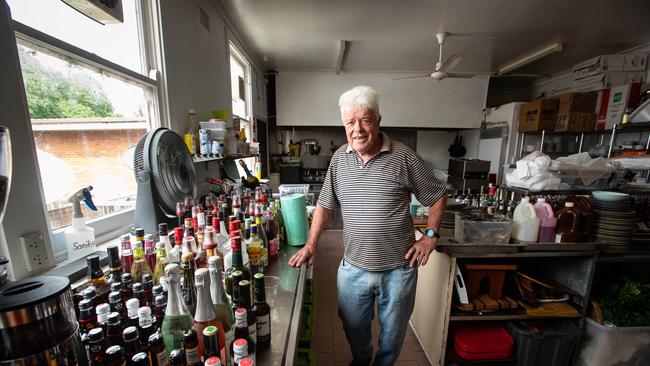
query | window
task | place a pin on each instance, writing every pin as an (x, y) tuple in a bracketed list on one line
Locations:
[(89, 101), (240, 84)]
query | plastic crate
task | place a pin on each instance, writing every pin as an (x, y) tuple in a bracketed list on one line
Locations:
[(306, 357), (609, 345), (555, 346)]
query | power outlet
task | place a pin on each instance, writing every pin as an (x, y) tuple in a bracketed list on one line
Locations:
[(34, 250)]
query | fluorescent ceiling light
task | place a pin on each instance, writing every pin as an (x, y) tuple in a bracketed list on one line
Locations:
[(530, 57)]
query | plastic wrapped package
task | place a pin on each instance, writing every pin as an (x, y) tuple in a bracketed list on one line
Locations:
[(532, 173)]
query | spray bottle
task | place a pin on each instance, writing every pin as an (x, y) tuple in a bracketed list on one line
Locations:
[(79, 238)]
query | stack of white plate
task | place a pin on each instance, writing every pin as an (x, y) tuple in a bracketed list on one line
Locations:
[(449, 216), (615, 220)]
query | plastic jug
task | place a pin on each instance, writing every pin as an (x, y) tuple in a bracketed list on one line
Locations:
[(568, 220), (525, 223), (547, 221)]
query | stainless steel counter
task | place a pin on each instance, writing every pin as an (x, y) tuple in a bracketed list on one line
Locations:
[(285, 311)]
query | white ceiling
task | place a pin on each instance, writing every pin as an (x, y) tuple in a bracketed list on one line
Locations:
[(398, 35)]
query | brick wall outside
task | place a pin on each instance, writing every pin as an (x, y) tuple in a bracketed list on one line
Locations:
[(95, 158)]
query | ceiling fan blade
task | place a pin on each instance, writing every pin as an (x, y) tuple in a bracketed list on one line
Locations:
[(413, 77), (451, 62), (460, 75)]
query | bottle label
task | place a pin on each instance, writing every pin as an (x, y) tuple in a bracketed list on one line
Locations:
[(264, 325), (192, 356), (162, 358), (238, 356), (558, 238), (252, 331)]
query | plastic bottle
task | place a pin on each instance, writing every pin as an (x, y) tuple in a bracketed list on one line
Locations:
[(547, 221), (567, 224), (79, 238), (525, 224)]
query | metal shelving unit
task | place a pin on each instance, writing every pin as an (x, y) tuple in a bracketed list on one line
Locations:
[(201, 159)]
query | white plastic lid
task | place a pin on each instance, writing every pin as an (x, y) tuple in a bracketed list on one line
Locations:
[(541, 199), (525, 199), (239, 345), (568, 204), (133, 305)]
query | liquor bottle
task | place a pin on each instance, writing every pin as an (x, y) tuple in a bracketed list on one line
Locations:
[(149, 252), (189, 245), (174, 256), (218, 294), (102, 310), (146, 325), (132, 306), (161, 263), (188, 289), (159, 290), (127, 253), (87, 316), (235, 299), (259, 220), (220, 237), (140, 266), (282, 234), (114, 329), (89, 293), (271, 231), (177, 357), (96, 278), (157, 350), (115, 356), (195, 218), (147, 285), (114, 265), (245, 293), (262, 312), (191, 347), (205, 311), (241, 333), (251, 209), (159, 310), (210, 242), (130, 337), (98, 346), (138, 293), (246, 233), (501, 207), (237, 265), (212, 345), (201, 257), (140, 359), (255, 249), (239, 351), (116, 303), (511, 205), (180, 212), (139, 234), (177, 319)]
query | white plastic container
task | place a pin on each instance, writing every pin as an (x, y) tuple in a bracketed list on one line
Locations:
[(525, 223), (608, 345), (79, 239), (547, 221)]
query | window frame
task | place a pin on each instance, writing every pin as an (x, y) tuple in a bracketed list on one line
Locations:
[(151, 52)]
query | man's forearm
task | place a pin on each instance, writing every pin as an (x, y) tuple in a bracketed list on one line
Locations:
[(435, 213), (318, 222)]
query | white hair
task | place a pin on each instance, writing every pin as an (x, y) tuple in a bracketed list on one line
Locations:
[(361, 96)]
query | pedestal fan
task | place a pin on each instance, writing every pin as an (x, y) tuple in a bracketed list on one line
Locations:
[(165, 174)]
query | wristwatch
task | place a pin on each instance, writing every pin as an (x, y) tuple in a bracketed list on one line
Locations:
[(431, 233)]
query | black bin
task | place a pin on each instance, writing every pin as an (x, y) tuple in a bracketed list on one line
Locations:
[(554, 346)]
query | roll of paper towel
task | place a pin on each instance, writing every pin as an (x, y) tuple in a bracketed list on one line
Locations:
[(294, 212)]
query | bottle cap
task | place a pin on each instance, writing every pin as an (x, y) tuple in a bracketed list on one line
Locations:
[(187, 257), (244, 283), (210, 330), (126, 278), (160, 301), (147, 281), (202, 278), (177, 357), (240, 345), (155, 340), (113, 254), (130, 334), (160, 245), (137, 288), (240, 314), (103, 309), (89, 293), (148, 237), (214, 361), (144, 316), (96, 335), (139, 232), (190, 337), (188, 222), (234, 225), (173, 272), (116, 286), (525, 199), (162, 229), (132, 306), (569, 204), (245, 362), (157, 290), (113, 318), (125, 238), (114, 353), (258, 275), (140, 359), (114, 296), (85, 305)]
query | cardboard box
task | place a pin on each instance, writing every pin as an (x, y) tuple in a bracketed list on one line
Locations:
[(636, 62), (613, 105), (575, 122), (598, 65), (606, 80), (577, 102), (538, 115)]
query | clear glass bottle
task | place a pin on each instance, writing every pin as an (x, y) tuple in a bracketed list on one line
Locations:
[(177, 319), (140, 265), (177, 250), (187, 289), (161, 263), (259, 220), (271, 231), (255, 249), (205, 312)]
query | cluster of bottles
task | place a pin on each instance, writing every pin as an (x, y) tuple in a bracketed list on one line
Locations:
[(193, 300), (214, 142), (543, 224), (491, 202)]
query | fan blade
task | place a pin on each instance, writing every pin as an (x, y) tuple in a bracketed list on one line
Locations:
[(413, 77), (459, 75), (451, 62)]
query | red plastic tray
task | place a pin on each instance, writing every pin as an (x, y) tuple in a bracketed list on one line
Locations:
[(483, 341)]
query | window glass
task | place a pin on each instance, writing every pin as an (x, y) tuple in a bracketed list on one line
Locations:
[(83, 122), (119, 43)]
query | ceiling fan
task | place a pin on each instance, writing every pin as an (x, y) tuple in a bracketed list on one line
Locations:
[(443, 69)]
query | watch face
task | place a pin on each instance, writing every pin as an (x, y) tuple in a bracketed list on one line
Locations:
[(429, 233)]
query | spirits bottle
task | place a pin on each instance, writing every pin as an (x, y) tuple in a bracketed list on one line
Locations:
[(102, 311), (205, 310), (218, 294), (189, 245), (138, 293), (97, 346), (159, 310), (210, 242), (114, 265), (241, 334), (177, 319), (212, 346), (147, 285), (175, 255), (188, 290), (140, 359), (255, 249), (282, 234), (245, 293), (87, 316), (140, 266), (115, 356), (149, 252), (262, 312), (177, 357), (157, 350), (127, 253), (161, 263), (132, 306), (259, 220), (146, 325), (116, 303), (235, 299), (163, 236), (191, 346), (237, 265), (114, 329), (96, 278), (271, 231), (131, 340)]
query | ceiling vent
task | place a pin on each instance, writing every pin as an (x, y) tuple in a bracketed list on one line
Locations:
[(101, 11)]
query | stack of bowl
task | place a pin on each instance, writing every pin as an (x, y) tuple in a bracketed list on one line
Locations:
[(615, 220), (449, 216)]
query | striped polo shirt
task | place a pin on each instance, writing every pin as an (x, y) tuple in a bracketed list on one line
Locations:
[(374, 199)]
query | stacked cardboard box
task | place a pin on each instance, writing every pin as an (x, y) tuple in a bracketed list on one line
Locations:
[(538, 115), (576, 112), (608, 71)]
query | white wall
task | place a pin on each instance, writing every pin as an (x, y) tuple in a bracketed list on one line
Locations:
[(432, 146), (311, 98)]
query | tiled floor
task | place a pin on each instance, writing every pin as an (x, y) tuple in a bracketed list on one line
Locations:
[(329, 340)]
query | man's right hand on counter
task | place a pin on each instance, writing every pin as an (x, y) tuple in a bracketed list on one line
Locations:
[(305, 255)]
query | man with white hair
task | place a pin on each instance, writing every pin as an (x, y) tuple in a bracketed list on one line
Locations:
[(371, 179)]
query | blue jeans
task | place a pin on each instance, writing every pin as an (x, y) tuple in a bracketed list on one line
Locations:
[(394, 291)]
